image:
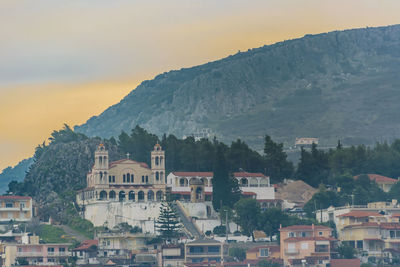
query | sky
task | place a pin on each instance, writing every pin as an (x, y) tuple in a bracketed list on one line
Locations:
[(65, 61)]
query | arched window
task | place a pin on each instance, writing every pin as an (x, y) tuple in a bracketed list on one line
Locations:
[(101, 175), (157, 161), (159, 195), (128, 178), (121, 195), (124, 178), (101, 160), (142, 178), (103, 195), (131, 195), (150, 195), (132, 177), (161, 176), (113, 178), (140, 196), (161, 159), (112, 194), (109, 179), (157, 176), (147, 179)]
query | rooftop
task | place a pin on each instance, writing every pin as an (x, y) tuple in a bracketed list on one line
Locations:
[(360, 214), (305, 227), (379, 179), (87, 244), (204, 241), (345, 262), (122, 161), (15, 197)]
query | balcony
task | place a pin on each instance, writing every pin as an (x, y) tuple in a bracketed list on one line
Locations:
[(292, 252), (43, 254)]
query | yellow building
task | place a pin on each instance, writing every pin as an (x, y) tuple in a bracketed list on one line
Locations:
[(125, 179), (16, 208), (372, 234)]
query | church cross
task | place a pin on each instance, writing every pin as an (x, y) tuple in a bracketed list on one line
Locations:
[(127, 155)]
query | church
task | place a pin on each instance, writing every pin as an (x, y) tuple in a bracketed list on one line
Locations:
[(125, 180)]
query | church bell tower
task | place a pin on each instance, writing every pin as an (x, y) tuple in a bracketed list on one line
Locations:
[(101, 164), (158, 164)]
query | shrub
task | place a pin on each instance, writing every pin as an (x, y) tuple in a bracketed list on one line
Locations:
[(219, 230)]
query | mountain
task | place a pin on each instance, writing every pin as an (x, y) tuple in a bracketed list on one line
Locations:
[(16, 173), (338, 85)]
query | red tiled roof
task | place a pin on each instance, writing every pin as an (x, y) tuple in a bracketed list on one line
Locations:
[(396, 215), (379, 179), (85, 245), (305, 227), (360, 214), (115, 163), (202, 174), (15, 197), (345, 262), (248, 174), (316, 238), (362, 224), (272, 248), (390, 225)]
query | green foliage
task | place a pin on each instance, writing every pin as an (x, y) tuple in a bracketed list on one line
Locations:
[(238, 253), (278, 167), (167, 223), (51, 234), (208, 233), (313, 167), (219, 230), (247, 215), (346, 251)]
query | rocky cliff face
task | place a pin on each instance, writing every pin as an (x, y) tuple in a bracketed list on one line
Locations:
[(334, 85)]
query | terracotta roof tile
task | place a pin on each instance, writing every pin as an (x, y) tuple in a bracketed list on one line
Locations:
[(360, 214), (202, 174), (14, 197), (85, 245), (380, 179), (345, 262)]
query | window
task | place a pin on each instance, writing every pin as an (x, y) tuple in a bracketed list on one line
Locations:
[(132, 178), (264, 252), (109, 179), (303, 234), (19, 249), (147, 179), (359, 244), (320, 233), (22, 205), (61, 249), (290, 234), (128, 178), (124, 178), (9, 205), (113, 178), (213, 249), (108, 242), (142, 178)]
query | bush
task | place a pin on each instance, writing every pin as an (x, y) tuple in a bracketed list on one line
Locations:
[(238, 253), (208, 233), (219, 230), (136, 229), (237, 233)]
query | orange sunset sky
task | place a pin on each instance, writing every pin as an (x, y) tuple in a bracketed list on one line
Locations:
[(65, 61)]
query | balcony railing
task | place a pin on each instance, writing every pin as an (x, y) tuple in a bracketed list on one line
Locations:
[(292, 252), (43, 254)]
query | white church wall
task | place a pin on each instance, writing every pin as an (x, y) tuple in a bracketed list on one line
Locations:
[(113, 213)]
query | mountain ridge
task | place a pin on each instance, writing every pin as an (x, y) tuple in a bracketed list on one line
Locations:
[(301, 87)]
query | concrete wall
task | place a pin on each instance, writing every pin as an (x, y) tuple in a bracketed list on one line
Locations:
[(135, 214)]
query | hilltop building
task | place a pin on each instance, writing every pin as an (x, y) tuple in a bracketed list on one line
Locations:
[(197, 186), (385, 183)]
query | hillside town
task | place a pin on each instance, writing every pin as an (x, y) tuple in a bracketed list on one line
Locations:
[(146, 217)]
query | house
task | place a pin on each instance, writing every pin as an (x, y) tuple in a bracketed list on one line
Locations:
[(385, 183), (86, 252), (310, 244), (197, 186), (305, 142), (173, 255), (263, 252), (37, 254), (121, 245), (16, 208), (205, 251)]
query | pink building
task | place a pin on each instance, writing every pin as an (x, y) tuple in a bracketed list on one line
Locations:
[(43, 254), (306, 244)]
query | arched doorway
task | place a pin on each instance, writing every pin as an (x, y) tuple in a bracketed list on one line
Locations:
[(159, 195), (103, 195), (121, 195), (131, 196), (140, 196), (150, 195), (112, 194)]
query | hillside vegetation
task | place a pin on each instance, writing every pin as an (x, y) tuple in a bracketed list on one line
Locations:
[(338, 85)]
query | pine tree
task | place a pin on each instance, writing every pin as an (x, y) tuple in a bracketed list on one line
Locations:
[(167, 223), (278, 167)]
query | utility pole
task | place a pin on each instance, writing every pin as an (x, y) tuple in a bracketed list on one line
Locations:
[(226, 226)]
